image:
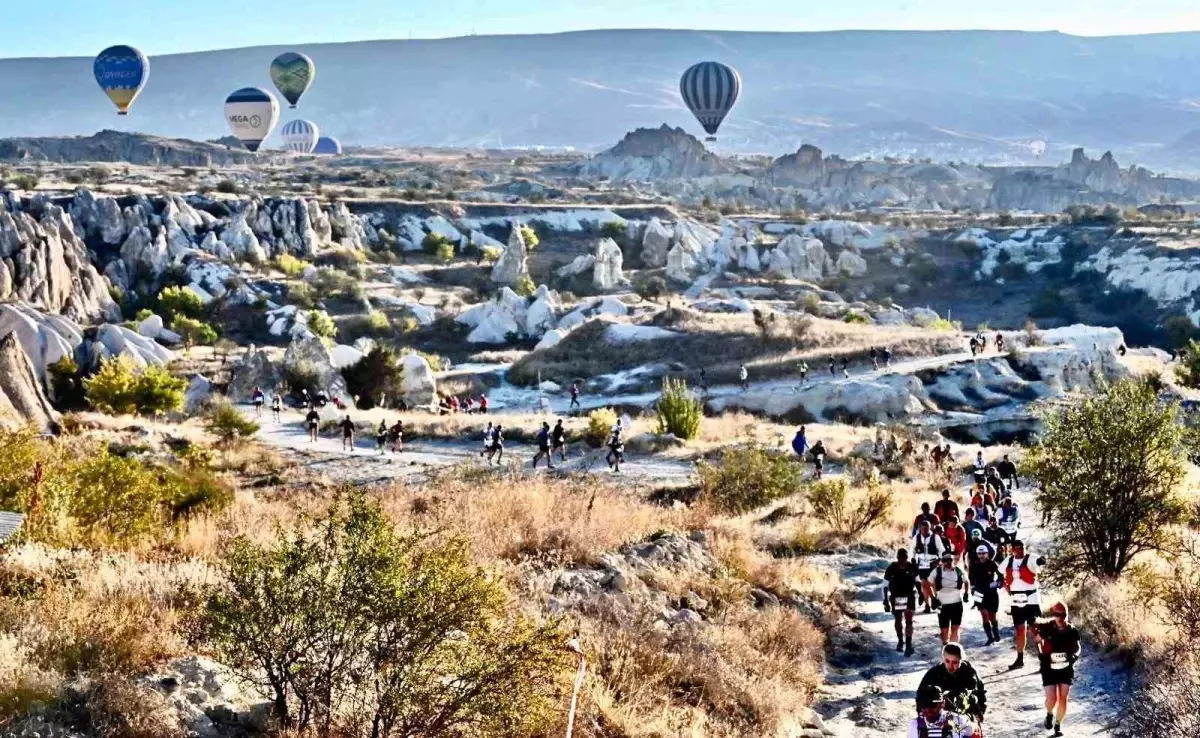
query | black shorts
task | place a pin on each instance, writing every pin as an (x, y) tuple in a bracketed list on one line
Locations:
[(1026, 615), (950, 615), (258, 403), (1052, 677), (991, 601), (901, 603), (312, 426)]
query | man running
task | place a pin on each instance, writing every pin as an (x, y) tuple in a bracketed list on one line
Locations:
[(347, 426), (874, 354), (933, 721), (956, 537), (1010, 516), (948, 584), (803, 371), (959, 682), (574, 396), (543, 439), (313, 419), (616, 448), (817, 452), (971, 525), (927, 548), (744, 376), (497, 445), (946, 508), (1020, 572), (925, 516), (997, 536), (396, 435), (979, 471), (703, 381), (276, 406), (887, 358), (483, 404), (1059, 646), (800, 443), (935, 456), (993, 484), (985, 579), (845, 367), (381, 437), (487, 440), (900, 596), (258, 398), (974, 347), (1008, 473), (1000, 343), (558, 440)]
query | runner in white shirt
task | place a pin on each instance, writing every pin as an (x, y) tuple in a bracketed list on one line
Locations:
[(1020, 572), (933, 721), (948, 584)]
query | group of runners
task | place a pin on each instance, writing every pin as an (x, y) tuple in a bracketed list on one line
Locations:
[(979, 343), (955, 563)]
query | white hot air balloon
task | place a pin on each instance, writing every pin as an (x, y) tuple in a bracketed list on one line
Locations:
[(300, 136), (1037, 148), (252, 113)]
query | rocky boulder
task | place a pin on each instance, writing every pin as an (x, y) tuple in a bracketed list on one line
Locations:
[(496, 320), (578, 265), (655, 244), (44, 338), (108, 341), (512, 264), (198, 394), (209, 700), (309, 356), (152, 327), (542, 313), (23, 402), (417, 385), (607, 274), (797, 257), (254, 370), (851, 264), (839, 232), (685, 260)]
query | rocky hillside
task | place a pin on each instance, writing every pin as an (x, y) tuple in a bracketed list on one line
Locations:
[(653, 154), (129, 148)]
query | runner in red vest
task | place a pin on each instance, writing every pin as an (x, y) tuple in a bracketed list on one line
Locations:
[(1020, 571)]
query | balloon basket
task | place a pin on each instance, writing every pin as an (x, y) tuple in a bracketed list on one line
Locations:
[(292, 107), (122, 112), (711, 139)]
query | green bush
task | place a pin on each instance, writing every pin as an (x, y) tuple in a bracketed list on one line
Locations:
[(321, 324), (747, 477), (142, 315), (180, 301), (491, 254), (831, 505), (652, 288), (301, 295), (432, 243), (445, 253), (600, 424), (228, 424), (290, 265), (120, 388), (679, 413), (344, 610), (301, 376), (859, 318), (530, 237), (193, 332), (525, 286), (377, 374), (1188, 371)]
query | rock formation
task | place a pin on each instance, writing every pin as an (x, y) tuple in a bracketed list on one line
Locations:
[(656, 153), (254, 370), (797, 257), (512, 266), (607, 274), (655, 244), (309, 356), (22, 399), (417, 384)]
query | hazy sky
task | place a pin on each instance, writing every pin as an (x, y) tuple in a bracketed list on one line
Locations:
[(84, 27)]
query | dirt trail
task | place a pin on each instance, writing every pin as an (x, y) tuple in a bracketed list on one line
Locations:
[(871, 691)]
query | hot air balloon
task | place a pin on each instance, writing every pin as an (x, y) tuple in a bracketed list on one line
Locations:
[(710, 90), (122, 72), (1037, 148), (292, 74), (328, 146), (251, 112), (300, 136)]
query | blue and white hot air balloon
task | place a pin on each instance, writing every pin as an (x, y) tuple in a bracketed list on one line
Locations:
[(121, 72), (300, 136), (252, 113), (710, 90), (328, 146)]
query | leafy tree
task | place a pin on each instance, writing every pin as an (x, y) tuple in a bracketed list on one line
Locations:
[(433, 243), (764, 321), (321, 324), (747, 477), (193, 332), (445, 252), (530, 237), (1180, 331), (228, 424), (525, 286), (378, 373), (121, 388), (1110, 466), (344, 612), (180, 301), (679, 413)]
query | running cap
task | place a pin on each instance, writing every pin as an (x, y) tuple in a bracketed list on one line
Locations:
[(947, 556), (1017, 544), (1060, 608), (930, 696), (976, 533)]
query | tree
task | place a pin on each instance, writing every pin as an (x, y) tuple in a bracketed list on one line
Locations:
[(747, 477), (764, 321), (193, 332), (1188, 371), (530, 237), (321, 324), (679, 413), (445, 253), (228, 424), (1180, 331), (121, 388), (378, 373), (180, 301), (433, 243), (1110, 466), (346, 612)]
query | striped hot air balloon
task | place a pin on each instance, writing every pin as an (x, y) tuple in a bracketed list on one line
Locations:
[(328, 146), (122, 72), (252, 113), (292, 74), (710, 90), (300, 136)]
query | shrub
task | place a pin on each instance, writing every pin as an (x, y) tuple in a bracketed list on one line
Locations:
[(679, 413), (764, 321), (321, 324), (445, 252), (302, 295), (613, 229), (120, 388), (491, 254), (525, 286), (193, 332), (405, 627), (853, 317), (26, 181), (1180, 331), (1110, 466), (180, 301), (942, 324), (433, 243), (1188, 370), (530, 237), (830, 504), (301, 377), (747, 477), (600, 424), (142, 315), (652, 288), (228, 424), (66, 384), (1033, 337), (378, 373), (290, 265)]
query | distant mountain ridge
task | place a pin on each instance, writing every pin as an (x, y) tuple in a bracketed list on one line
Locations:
[(965, 95)]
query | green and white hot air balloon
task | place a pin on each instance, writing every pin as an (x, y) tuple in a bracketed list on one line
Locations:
[(293, 74)]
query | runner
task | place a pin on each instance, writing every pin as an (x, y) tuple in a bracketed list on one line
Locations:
[(803, 371), (276, 406), (974, 346), (845, 367), (1000, 343), (704, 381), (558, 440), (979, 470), (936, 457), (997, 536), (982, 503), (976, 540), (957, 538), (900, 598), (483, 404), (381, 437), (497, 445), (946, 508), (347, 427), (314, 423), (744, 376), (1059, 646), (948, 585), (971, 525), (926, 547), (933, 721), (1008, 473), (1020, 581), (258, 398), (959, 682), (800, 443), (817, 452), (994, 484), (616, 448), (874, 354), (543, 439), (887, 358), (574, 396), (985, 580), (396, 435), (832, 364), (1010, 517), (487, 441), (925, 516)]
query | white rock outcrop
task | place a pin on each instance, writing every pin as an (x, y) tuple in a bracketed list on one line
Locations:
[(656, 243), (607, 273), (417, 384), (797, 257), (851, 264), (512, 264)]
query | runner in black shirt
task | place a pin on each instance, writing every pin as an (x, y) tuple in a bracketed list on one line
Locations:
[(900, 594), (1059, 647), (314, 423), (997, 536), (985, 588), (347, 427)]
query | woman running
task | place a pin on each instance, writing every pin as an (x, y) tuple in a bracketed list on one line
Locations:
[(1059, 646)]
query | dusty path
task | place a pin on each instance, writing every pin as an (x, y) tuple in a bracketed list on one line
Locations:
[(871, 692)]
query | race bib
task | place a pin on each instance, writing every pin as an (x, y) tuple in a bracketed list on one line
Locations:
[(925, 561), (1019, 599), (1059, 661), (978, 597), (900, 601), (1009, 527)]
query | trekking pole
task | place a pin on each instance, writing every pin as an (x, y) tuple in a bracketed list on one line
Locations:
[(575, 646)]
